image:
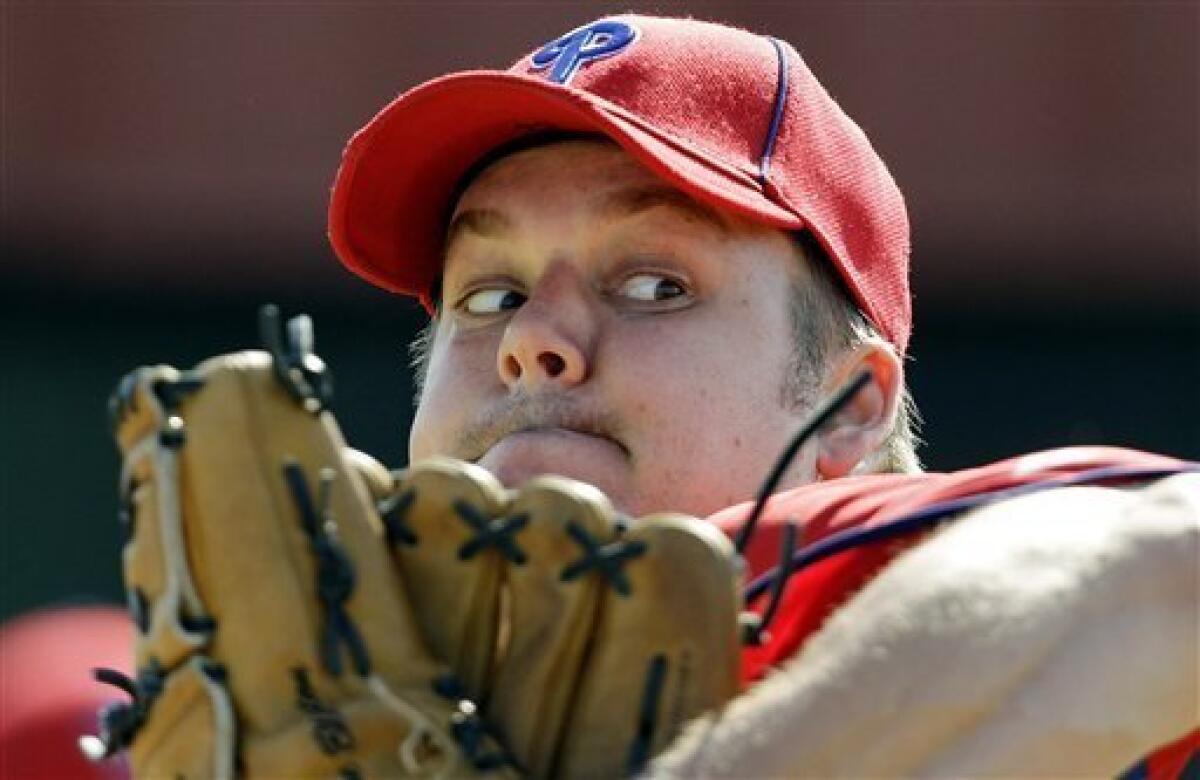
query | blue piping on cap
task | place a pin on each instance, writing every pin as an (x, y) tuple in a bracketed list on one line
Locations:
[(764, 165)]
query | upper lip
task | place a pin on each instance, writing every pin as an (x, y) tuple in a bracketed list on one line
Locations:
[(571, 429)]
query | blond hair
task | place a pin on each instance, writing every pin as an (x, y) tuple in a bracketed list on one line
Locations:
[(825, 323)]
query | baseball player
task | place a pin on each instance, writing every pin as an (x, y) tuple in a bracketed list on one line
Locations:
[(649, 248), (652, 251)]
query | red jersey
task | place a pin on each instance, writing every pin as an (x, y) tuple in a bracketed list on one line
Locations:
[(849, 529)]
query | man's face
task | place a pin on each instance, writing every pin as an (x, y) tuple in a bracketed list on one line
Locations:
[(599, 324)]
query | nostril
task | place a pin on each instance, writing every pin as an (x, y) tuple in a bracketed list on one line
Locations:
[(551, 363), (513, 366)]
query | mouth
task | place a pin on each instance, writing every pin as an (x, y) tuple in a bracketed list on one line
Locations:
[(553, 433), (584, 455), (553, 422)]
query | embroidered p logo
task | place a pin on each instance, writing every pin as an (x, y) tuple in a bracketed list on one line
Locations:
[(591, 42)]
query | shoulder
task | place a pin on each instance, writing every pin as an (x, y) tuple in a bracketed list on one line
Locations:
[(856, 504), (851, 530)]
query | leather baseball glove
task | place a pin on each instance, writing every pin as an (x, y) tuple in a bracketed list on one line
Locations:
[(304, 612)]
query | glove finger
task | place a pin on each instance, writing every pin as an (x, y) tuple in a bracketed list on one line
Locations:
[(315, 573), (166, 607), (550, 617), (379, 482), (255, 541), (450, 539), (665, 649)]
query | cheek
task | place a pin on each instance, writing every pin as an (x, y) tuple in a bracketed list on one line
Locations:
[(706, 405), (716, 453), (705, 362), (458, 375), (424, 436), (678, 393)]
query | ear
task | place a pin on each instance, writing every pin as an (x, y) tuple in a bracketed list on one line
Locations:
[(865, 422)]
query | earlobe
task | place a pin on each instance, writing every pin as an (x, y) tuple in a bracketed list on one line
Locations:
[(864, 424)]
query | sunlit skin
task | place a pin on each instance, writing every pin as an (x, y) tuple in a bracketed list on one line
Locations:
[(600, 325)]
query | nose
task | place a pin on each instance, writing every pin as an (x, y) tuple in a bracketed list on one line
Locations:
[(548, 341)]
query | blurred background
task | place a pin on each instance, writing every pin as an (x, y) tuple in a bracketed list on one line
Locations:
[(165, 168)]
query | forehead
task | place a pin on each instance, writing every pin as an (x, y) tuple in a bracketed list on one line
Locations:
[(593, 173), (586, 163)]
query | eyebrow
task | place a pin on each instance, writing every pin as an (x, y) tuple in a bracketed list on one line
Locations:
[(636, 200), (629, 202), (488, 223)]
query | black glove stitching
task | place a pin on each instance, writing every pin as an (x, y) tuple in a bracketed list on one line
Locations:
[(499, 533), (335, 579), (607, 559)]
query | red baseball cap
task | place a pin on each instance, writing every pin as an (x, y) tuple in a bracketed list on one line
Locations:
[(734, 119)]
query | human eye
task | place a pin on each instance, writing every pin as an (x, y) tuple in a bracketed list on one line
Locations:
[(651, 287), (490, 300)]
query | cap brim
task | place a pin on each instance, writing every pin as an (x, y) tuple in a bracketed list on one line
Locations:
[(391, 197)]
